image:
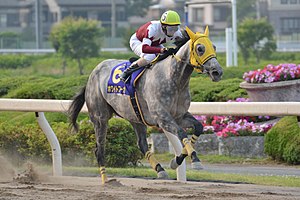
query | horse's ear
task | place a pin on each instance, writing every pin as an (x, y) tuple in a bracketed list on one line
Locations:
[(190, 33), (206, 32)]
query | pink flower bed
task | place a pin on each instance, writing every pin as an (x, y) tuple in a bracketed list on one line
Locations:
[(270, 73), (225, 126)]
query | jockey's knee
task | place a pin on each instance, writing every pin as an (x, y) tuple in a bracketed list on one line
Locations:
[(149, 57), (142, 62)]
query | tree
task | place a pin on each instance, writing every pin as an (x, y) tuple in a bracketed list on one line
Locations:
[(137, 7), (76, 39), (54, 38), (256, 36), (246, 9)]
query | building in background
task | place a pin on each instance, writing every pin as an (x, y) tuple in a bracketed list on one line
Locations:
[(284, 15), (215, 14), (156, 10), (19, 16)]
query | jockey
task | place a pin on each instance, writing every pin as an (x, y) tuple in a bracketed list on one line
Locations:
[(148, 40)]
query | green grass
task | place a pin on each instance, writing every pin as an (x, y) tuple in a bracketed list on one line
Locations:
[(219, 159), (142, 172), (192, 175)]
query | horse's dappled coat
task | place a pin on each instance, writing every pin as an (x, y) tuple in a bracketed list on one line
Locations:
[(164, 99)]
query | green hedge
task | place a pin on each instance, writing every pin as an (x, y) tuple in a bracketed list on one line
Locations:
[(204, 90), (282, 142), (29, 142), (201, 87), (15, 61), (41, 87)]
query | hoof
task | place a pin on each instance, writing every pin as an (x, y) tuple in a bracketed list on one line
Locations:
[(162, 175), (173, 164), (197, 166)]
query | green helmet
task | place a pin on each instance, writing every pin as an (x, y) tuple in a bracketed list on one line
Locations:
[(170, 17)]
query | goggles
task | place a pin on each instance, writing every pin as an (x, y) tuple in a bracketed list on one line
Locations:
[(172, 29)]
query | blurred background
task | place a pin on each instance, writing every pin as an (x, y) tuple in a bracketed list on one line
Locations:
[(26, 24)]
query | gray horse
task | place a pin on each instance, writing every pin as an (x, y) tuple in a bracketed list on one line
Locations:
[(163, 98)]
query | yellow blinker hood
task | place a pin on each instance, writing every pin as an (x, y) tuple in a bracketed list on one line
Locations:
[(196, 39)]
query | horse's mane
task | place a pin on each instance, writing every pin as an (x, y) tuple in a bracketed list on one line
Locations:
[(179, 42)]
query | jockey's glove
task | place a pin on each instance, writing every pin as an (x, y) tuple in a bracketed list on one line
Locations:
[(169, 51)]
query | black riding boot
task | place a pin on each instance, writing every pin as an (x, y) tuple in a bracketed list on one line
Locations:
[(124, 76)]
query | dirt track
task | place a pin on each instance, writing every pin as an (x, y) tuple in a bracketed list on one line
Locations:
[(30, 185), (71, 188)]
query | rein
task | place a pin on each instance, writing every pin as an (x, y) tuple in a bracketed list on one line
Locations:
[(200, 67)]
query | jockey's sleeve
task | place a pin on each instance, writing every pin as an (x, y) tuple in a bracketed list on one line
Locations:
[(147, 48)]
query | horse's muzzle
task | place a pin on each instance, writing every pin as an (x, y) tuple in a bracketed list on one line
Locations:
[(216, 75)]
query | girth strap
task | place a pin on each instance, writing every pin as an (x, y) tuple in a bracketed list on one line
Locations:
[(135, 107)]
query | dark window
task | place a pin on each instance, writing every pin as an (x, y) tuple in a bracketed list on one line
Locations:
[(65, 14), (48, 16), (220, 13), (45, 16), (284, 1), (3, 20), (104, 16), (13, 20), (198, 15), (290, 25), (121, 16), (293, 1), (82, 14)]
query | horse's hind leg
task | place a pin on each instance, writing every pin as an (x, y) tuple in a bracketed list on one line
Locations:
[(141, 132), (189, 122), (100, 112), (100, 127)]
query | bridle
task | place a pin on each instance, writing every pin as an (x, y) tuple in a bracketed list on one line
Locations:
[(199, 68), (196, 61)]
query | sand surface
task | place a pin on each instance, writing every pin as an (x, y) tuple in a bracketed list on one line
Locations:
[(32, 185), (71, 188)]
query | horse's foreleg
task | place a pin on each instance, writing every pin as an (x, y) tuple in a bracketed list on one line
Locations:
[(169, 125), (161, 173), (190, 122), (141, 131)]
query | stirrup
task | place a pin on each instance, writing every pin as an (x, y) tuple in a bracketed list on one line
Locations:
[(127, 72), (125, 79), (125, 76)]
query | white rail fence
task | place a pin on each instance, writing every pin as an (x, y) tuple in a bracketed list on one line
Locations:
[(40, 106)]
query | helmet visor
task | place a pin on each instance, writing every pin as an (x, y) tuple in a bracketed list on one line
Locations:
[(172, 29)]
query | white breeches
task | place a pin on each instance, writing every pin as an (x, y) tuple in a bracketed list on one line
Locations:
[(136, 46)]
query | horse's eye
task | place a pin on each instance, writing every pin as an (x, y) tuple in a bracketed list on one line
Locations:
[(201, 49)]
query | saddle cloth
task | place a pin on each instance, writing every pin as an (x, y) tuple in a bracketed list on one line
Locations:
[(116, 86)]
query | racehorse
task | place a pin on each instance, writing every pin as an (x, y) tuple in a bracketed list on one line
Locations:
[(163, 99)]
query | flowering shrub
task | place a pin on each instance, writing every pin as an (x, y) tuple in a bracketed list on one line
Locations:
[(225, 126), (270, 73)]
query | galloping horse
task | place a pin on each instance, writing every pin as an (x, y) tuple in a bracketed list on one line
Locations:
[(163, 99)]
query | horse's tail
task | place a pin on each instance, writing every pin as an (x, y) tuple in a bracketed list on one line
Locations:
[(75, 107)]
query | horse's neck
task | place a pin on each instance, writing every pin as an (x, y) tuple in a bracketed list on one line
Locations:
[(180, 70)]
